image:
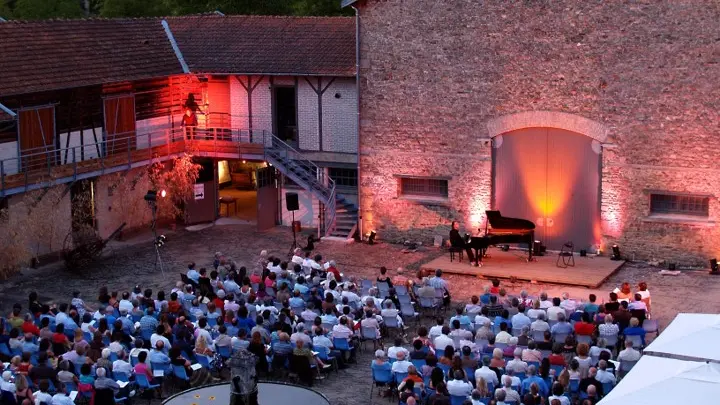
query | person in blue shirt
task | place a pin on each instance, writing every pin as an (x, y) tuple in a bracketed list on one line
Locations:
[(561, 327), (193, 274), (485, 298), (157, 357), (531, 378), (300, 285), (282, 347), (296, 301), (591, 307), (503, 317), (243, 320), (464, 319), (635, 329)]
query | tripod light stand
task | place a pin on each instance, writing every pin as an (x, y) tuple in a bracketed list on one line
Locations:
[(158, 241)]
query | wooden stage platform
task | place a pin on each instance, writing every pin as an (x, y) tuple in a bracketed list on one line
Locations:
[(588, 272)]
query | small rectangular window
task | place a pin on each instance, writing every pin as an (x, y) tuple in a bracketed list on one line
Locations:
[(423, 187), (679, 204), (344, 177)]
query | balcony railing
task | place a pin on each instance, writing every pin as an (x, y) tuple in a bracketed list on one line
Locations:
[(38, 167)]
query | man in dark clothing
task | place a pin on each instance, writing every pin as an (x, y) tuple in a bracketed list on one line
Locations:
[(590, 380), (622, 316), (494, 309), (43, 371), (457, 241)]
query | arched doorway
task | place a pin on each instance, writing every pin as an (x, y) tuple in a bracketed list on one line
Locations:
[(549, 176)]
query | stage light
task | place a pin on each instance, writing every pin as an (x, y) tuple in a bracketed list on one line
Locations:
[(163, 193), (671, 266), (371, 238), (243, 162), (505, 248), (714, 270), (615, 253), (583, 253), (160, 240), (151, 196)]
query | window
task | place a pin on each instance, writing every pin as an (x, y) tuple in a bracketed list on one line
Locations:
[(423, 187), (679, 204), (344, 177)]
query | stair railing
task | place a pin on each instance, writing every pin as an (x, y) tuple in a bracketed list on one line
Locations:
[(315, 179)]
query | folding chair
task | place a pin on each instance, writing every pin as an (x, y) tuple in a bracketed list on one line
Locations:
[(651, 326), (391, 322), (380, 377), (369, 334)]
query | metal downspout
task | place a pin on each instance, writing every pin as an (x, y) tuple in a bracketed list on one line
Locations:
[(357, 95)]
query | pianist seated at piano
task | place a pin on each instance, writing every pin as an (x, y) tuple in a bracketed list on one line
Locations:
[(458, 241)]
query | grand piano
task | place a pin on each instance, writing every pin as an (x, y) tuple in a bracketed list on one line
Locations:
[(503, 230)]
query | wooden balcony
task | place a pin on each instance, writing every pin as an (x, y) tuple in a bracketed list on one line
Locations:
[(38, 168)]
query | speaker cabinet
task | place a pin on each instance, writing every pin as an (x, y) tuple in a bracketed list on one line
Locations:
[(291, 202)]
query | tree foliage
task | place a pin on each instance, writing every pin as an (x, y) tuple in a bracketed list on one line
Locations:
[(178, 180), (43, 9)]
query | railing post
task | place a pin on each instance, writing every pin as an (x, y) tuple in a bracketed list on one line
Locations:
[(74, 164), (128, 149), (2, 176), (167, 140)]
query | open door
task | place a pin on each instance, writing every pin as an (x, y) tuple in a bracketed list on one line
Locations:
[(267, 198), (120, 124), (37, 138)]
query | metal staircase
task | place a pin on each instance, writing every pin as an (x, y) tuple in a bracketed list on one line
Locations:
[(338, 216)]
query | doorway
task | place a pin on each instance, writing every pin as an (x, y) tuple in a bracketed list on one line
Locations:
[(285, 119), (238, 189), (551, 177)]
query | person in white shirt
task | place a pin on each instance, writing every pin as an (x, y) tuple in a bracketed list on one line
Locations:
[(442, 341), (341, 330), (390, 312), (486, 373), (557, 393), (122, 366), (510, 393), (608, 329), (297, 258), (500, 396), (351, 293), (41, 395), (300, 335), (321, 340), (401, 365), (544, 302), (516, 364), (458, 386), (459, 333), (553, 311), (503, 336), (393, 351), (629, 354), (604, 376), (7, 385), (535, 311), (308, 315), (569, 305), (125, 302), (540, 325), (436, 330)]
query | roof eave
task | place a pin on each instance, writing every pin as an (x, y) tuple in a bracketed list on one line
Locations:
[(313, 74), (346, 3)]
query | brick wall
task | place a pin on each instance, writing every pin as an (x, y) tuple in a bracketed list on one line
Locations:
[(119, 198), (437, 76)]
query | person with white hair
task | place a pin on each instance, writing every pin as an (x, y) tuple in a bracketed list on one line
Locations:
[(458, 386), (102, 382), (562, 327), (300, 335), (350, 291), (401, 279), (540, 325), (401, 365), (6, 384), (328, 278), (517, 365), (391, 312), (427, 290), (500, 396), (297, 257), (510, 394), (525, 299), (568, 304)]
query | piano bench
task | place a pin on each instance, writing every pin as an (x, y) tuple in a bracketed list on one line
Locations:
[(457, 250)]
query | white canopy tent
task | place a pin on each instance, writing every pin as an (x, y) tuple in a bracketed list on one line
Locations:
[(689, 337), (660, 381)]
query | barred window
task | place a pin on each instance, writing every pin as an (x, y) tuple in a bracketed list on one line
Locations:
[(344, 177), (412, 186), (679, 204)]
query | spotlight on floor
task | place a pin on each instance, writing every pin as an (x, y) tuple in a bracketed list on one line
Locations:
[(151, 196), (505, 248), (615, 253), (371, 238), (714, 270)]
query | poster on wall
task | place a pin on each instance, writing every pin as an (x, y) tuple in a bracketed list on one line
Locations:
[(224, 172), (199, 191)]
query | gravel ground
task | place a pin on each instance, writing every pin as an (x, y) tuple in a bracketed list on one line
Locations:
[(132, 262)]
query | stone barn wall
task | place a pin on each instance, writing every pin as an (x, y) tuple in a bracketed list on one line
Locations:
[(438, 76)]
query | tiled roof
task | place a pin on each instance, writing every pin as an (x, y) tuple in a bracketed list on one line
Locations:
[(267, 44), (56, 54)]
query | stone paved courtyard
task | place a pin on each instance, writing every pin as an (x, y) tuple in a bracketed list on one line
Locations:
[(133, 263)]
